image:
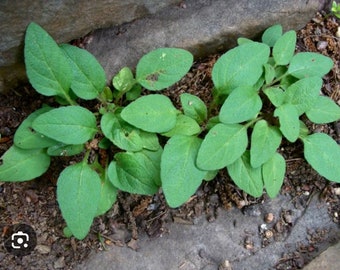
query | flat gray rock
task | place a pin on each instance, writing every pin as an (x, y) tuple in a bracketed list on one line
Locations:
[(200, 26), (207, 245)]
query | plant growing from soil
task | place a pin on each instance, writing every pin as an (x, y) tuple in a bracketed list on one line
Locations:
[(263, 93)]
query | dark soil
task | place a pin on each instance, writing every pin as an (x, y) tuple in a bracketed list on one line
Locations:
[(34, 202)]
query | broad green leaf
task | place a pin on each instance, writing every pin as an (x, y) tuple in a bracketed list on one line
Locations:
[(247, 178), (194, 107), (179, 174), (210, 175), (69, 125), (240, 66), (323, 154), (309, 64), (120, 133), (47, 67), (273, 172), (324, 111), (134, 92), (284, 48), (185, 125), (265, 140), (26, 138), (108, 195), (152, 113), (124, 80), (241, 41), (61, 149), (163, 67), (304, 131), (137, 173), (303, 94), (289, 121), (78, 194), (269, 73), (89, 77), (126, 136), (23, 164), (276, 95), (213, 121), (272, 34), (222, 145), (241, 105)]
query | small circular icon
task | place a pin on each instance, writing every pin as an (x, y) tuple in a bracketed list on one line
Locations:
[(20, 239)]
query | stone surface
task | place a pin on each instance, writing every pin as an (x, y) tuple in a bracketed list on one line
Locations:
[(327, 260), (207, 245), (201, 26), (64, 20)]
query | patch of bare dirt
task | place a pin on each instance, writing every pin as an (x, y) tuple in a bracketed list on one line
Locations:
[(34, 202)]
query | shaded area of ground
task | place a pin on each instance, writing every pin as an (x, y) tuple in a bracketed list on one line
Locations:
[(137, 222)]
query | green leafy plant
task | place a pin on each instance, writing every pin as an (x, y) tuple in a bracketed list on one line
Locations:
[(335, 9), (262, 92)]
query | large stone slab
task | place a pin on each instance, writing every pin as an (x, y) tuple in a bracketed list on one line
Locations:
[(207, 245), (64, 20), (201, 26)]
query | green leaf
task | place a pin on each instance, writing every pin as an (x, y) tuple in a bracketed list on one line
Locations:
[(241, 41), (289, 121), (273, 172), (241, 105), (23, 164), (137, 173), (194, 107), (69, 125), (222, 145), (276, 95), (108, 195), (269, 73), (240, 66), (323, 154), (303, 94), (89, 77), (185, 125), (120, 133), (179, 174), (47, 67), (163, 67), (309, 64), (272, 34), (152, 113), (124, 80), (26, 138), (134, 92), (265, 140), (247, 178), (284, 48), (61, 149), (78, 194), (324, 111)]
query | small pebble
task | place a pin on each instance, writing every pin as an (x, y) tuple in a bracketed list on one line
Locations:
[(60, 263), (268, 234), (269, 217), (338, 32), (321, 45), (225, 265), (43, 249)]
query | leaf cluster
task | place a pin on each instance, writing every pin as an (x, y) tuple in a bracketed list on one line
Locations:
[(261, 91)]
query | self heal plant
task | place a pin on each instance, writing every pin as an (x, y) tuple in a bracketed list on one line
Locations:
[(262, 93), (88, 188)]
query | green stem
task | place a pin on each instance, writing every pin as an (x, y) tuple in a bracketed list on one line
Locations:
[(69, 100), (250, 123)]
